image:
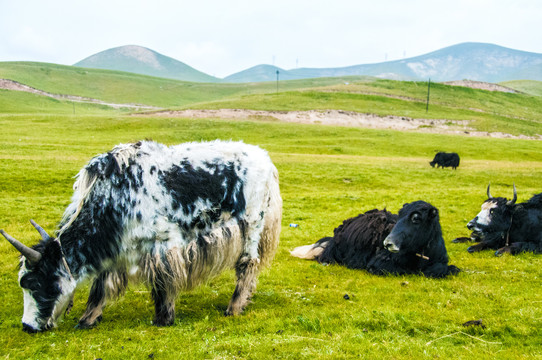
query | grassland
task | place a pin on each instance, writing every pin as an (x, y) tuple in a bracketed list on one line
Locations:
[(122, 87), (327, 174)]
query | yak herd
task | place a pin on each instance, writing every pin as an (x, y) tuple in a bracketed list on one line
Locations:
[(175, 216)]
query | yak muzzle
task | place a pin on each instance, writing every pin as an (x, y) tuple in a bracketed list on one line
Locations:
[(390, 245), (472, 224), (29, 329)]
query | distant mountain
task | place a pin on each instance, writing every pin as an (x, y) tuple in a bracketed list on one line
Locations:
[(473, 61), (140, 60)]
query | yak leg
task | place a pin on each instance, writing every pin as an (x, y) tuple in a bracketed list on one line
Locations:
[(164, 307), (440, 270), (482, 246), (247, 272), (519, 247), (164, 300), (248, 266), (107, 285)]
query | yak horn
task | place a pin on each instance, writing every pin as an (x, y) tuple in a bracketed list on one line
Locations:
[(30, 254), (42, 232), (513, 201), (488, 193)]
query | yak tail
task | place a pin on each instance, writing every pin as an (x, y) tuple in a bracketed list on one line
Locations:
[(310, 252), (118, 158)]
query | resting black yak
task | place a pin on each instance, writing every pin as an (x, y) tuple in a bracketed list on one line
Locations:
[(384, 243), (508, 227)]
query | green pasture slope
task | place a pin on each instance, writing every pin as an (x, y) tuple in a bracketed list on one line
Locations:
[(486, 111), (532, 87), (326, 174), (122, 87)]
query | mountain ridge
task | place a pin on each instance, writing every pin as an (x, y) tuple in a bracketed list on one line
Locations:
[(470, 60)]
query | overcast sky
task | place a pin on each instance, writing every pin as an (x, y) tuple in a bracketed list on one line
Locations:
[(221, 37)]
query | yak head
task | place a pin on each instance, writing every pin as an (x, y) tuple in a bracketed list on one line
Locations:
[(417, 226), (45, 278), (495, 217)]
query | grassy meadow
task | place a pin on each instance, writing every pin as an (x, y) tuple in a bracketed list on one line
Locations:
[(327, 174)]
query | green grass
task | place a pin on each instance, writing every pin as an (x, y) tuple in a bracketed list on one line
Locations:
[(327, 174)]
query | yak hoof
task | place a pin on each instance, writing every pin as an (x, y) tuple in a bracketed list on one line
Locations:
[(453, 270), (163, 322), (460, 240), (230, 313), (472, 249), (503, 250), (83, 325)]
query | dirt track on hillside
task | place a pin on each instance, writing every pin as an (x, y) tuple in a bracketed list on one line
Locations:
[(344, 118), (17, 86)]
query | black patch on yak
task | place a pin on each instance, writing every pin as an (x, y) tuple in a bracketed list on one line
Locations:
[(219, 184), (134, 175), (95, 234), (103, 166)]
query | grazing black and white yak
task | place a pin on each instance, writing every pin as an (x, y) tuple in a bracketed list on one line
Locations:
[(508, 227), (171, 217), (385, 243), (444, 159)]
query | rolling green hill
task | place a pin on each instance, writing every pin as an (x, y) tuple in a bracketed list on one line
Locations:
[(140, 60), (487, 111), (531, 87), (123, 87)]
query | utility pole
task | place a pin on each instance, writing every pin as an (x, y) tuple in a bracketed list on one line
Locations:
[(428, 90), (277, 81)]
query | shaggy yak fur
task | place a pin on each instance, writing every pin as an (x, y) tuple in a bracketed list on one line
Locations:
[(171, 217), (444, 159), (384, 243), (507, 227)]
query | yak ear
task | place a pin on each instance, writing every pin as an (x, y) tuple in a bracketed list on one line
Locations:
[(433, 213), (53, 250)]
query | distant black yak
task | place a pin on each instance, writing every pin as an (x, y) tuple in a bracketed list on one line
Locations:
[(444, 159), (508, 227), (385, 243)]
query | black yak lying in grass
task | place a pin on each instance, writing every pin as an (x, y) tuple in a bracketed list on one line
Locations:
[(508, 227), (384, 243)]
